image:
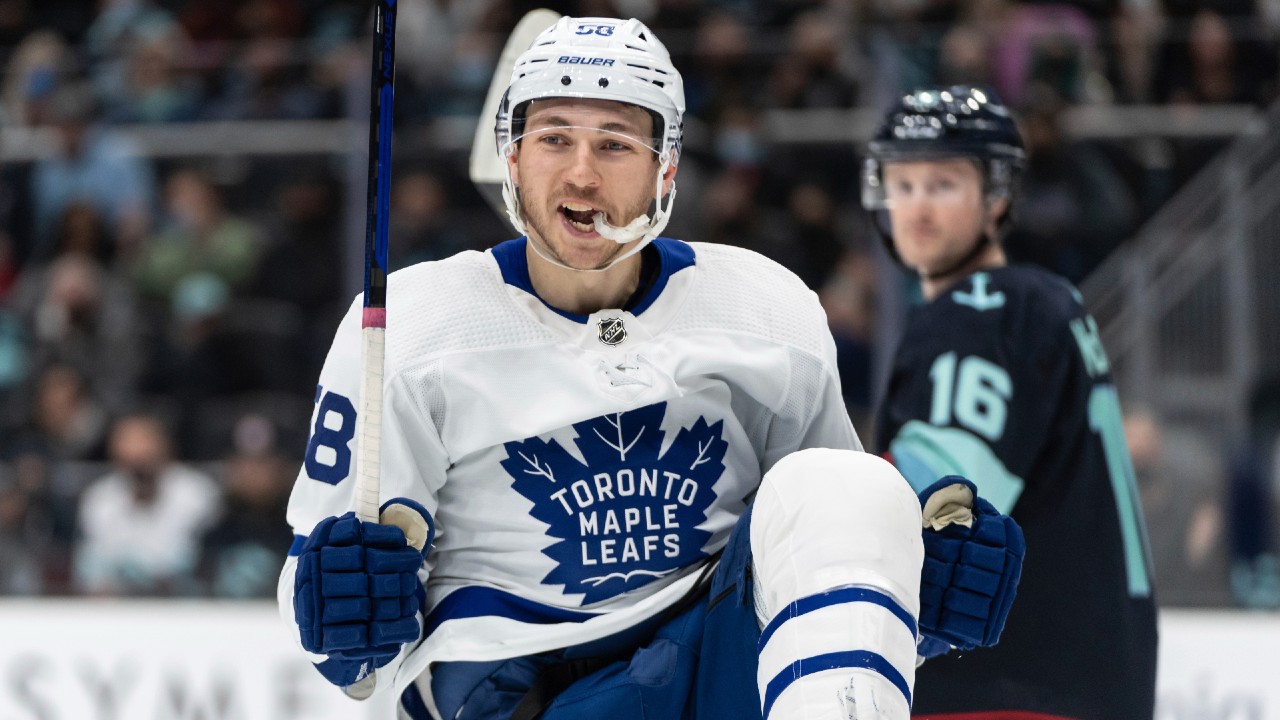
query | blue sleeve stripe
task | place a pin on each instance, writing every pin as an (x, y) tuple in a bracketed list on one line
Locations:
[(831, 661), (296, 548), (475, 601), (838, 596)]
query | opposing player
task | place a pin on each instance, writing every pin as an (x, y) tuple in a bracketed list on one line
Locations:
[(623, 481), (1000, 376)]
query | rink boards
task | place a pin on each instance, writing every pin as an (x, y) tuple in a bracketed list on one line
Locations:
[(154, 660)]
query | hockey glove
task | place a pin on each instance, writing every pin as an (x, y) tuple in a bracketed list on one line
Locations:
[(356, 591), (973, 560)]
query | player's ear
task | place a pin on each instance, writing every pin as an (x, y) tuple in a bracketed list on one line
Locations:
[(513, 165), (669, 178), (997, 207)]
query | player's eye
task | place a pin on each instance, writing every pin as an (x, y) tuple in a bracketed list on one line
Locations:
[(553, 139)]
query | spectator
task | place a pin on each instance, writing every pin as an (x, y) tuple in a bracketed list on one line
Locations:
[(1136, 29), (157, 85), (48, 525), (268, 82), (79, 314), (1180, 482), (1212, 65), (303, 265), (230, 20), (1051, 44), (15, 222), (1255, 466), (1076, 207), (241, 553), (35, 68), (13, 365), (142, 522), (93, 165), (20, 571), (199, 359), (67, 422), (964, 56), (447, 51), (818, 70), (422, 226), (16, 21), (200, 236), (723, 74)]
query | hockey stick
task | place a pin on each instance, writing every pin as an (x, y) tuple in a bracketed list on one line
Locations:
[(377, 209), (487, 167)]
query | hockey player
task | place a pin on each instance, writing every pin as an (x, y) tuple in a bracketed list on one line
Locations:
[(623, 481), (1001, 377)]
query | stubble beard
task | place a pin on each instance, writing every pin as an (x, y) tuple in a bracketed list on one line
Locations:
[(544, 220)]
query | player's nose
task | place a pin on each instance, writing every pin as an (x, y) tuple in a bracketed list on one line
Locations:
[(582, 171)]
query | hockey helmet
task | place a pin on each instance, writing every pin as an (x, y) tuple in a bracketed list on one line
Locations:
[(957, 121), (600, 59)]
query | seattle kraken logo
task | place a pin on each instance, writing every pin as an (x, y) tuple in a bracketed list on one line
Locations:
[(980, 298), (628, 514)]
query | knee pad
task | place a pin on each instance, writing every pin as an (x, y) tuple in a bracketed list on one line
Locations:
[(837, 549)]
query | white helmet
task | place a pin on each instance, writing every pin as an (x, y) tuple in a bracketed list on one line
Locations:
[(600, 59)]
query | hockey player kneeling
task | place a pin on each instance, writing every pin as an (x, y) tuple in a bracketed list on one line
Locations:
[(631, 486)]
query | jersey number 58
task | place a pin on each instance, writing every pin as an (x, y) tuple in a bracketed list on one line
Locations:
[(329, 449)]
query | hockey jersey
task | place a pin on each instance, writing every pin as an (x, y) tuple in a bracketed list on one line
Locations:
[(580, 470), (1003, 379)]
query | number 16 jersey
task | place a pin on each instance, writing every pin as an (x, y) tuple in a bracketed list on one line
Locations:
[(1003, 379)]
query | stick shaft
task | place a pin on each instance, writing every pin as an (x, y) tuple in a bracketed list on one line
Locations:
[(373, 321)]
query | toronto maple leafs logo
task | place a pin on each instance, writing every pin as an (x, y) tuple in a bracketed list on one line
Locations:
[(628, 514)]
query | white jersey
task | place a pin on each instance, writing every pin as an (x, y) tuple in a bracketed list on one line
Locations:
[(581, 471)]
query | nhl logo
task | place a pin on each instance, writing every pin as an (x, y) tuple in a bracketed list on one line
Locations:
[(612, 331)]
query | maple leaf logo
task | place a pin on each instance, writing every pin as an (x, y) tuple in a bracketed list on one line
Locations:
[(628, 514)]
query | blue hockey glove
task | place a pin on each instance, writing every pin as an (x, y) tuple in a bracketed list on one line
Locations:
[(972, 563), (356, 591)]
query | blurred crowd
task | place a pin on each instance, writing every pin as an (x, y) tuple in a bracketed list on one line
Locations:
[(163, 317)]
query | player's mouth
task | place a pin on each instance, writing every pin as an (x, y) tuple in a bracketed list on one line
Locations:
[(579, 216), (925, 231)]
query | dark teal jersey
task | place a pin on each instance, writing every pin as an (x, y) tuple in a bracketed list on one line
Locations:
[(1003, 379)]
